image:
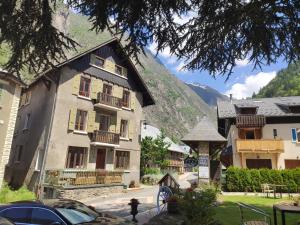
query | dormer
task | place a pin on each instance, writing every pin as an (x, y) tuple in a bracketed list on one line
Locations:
[(245, 109)]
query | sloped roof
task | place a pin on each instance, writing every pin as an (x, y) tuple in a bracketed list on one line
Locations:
[(269, 107), (8, 76), (204, 131), (151, 131)]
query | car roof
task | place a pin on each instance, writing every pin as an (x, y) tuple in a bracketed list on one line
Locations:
[(23, 203)]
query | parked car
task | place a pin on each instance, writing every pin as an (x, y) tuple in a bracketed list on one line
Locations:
[(56, 212), (4, 221)]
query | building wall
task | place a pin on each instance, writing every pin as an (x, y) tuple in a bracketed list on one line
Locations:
[(9, 104), (291, 150)]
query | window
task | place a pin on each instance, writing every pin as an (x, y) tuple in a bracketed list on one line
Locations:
[(118, 69), (295, 134), (84, 88), (17, 215), (122, 159), (124, 128), (19, 153), (125, 100), (250, 134), (97, 61), (81, 118), (104, 122), (44, 217), (274, 133), (26, 122), (76, 157), (107, 89)]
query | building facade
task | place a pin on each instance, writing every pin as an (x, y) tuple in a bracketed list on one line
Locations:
[(82, 124), (261, 133), (10, 90)]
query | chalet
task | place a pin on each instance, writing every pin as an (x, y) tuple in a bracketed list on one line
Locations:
[(81, 126), (261, 133)]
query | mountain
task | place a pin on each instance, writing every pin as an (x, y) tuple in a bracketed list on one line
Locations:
[(208, 94), (286, 83), (177, 107)]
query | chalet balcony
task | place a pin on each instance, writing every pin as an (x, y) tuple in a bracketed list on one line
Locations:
[(259, 146), (81, 177), (110, 102), (105, 138), (176, 162), (243, 121)]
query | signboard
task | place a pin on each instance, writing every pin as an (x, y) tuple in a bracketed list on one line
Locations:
[(190, 162), (203, 166)]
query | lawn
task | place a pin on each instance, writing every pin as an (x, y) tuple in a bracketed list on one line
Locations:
[(228, 213)]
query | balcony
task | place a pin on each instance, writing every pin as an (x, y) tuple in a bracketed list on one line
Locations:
[(109, 102), (243, 121), (259, 146), (105, 138), (176, 162), (80, 177)]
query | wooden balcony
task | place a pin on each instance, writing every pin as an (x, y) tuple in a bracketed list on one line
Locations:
[(250, 121), (108, 102), (176, 162), (105, 138), (78, 177), (259, 146)]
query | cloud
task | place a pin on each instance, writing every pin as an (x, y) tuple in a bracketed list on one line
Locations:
[(251, 84), (242, 63)]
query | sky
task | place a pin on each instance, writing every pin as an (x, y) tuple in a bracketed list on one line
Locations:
[(242, 83)]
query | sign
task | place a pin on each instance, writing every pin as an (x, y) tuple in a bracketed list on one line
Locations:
[(203, 166), (190, 162)]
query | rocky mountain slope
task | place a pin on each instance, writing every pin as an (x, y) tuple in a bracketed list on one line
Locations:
[(177, 108), (208, 94), (286, 83)]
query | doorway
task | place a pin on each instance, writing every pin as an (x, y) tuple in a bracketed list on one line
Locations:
[(100, 160), (259, 163)]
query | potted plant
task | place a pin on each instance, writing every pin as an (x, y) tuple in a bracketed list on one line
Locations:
[(172, 204)]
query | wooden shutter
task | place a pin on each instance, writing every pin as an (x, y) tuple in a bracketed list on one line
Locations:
[(242, 134), (113, 123), (97, 121), (131, 129), (91, 121), (76, 84), (118, 91), (118, 125), (72, 119), (94, 88), (294, 135), (109, 65), (124, 72), (132, 100)]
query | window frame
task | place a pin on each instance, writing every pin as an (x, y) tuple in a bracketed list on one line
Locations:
[(96, 57), (85, 122), (124, 103), (116, 164), (83, 81), (120, 68), (82, 161)]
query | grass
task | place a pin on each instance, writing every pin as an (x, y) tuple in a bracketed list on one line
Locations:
[(7, 195), (228, 213)]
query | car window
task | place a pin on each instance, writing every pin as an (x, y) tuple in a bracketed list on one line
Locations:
[(17, 215), (44, 217)]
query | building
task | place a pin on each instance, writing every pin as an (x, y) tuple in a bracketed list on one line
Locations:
[(10, 90), (81, 125), (262, 133), (176, 153)]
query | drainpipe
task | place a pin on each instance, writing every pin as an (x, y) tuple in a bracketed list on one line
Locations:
[(42, 173)]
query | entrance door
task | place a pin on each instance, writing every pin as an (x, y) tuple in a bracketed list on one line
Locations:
[(292, 163), (259, 163), (100, 161)]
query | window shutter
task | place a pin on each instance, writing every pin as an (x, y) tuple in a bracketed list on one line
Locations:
[(118, 91), (131, 129), (294, 135), (94, 89), (118, 125), (124, 72), (109, 65), (113, 123), (76, 84), (72, 119), (132, 100), (91, 121), (97, 122)]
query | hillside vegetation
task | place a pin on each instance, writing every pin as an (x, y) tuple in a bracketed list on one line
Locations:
[(286, 83), (177, 108)]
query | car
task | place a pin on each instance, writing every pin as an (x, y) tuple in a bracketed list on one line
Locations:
[(4, 221), (56, 212)]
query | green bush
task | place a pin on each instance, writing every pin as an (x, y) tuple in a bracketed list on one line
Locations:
[(151, 179), (240, 180), (151, 170), (8, 195)]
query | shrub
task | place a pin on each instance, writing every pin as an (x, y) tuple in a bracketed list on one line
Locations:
[(151, 170), (22, 194), (151, 179), (238, 179)]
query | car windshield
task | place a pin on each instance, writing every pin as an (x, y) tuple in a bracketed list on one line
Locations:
[(75, 212)]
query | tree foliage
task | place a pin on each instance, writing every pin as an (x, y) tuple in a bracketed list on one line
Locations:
[(212, 37), (154, 152), (286, 83)]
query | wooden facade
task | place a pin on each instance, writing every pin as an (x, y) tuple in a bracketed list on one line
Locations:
[(250, 121), (259, 146)]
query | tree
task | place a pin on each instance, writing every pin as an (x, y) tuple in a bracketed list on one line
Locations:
[(154, 152), (214, 35)]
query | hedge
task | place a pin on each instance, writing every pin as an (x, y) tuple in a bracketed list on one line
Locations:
[(250, 180)]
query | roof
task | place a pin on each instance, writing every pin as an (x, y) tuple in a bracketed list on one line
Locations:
[(151, 131), (147, 95), (204, 131), (10, 77), (269, 107)]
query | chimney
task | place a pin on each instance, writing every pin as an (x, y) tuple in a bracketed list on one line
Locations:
[(230, 97)]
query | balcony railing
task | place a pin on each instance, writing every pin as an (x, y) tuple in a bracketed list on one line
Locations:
[(106, 137), (176, 162), (259, 146), (109, 100), (250, 121), (75, 177)]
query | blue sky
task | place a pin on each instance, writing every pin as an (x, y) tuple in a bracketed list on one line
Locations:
[(242, 83)]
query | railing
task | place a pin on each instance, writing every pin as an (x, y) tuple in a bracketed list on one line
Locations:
[(109, 100), (250, 120), (106, 137), (75, 177), (259, 146), (176, 162)]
